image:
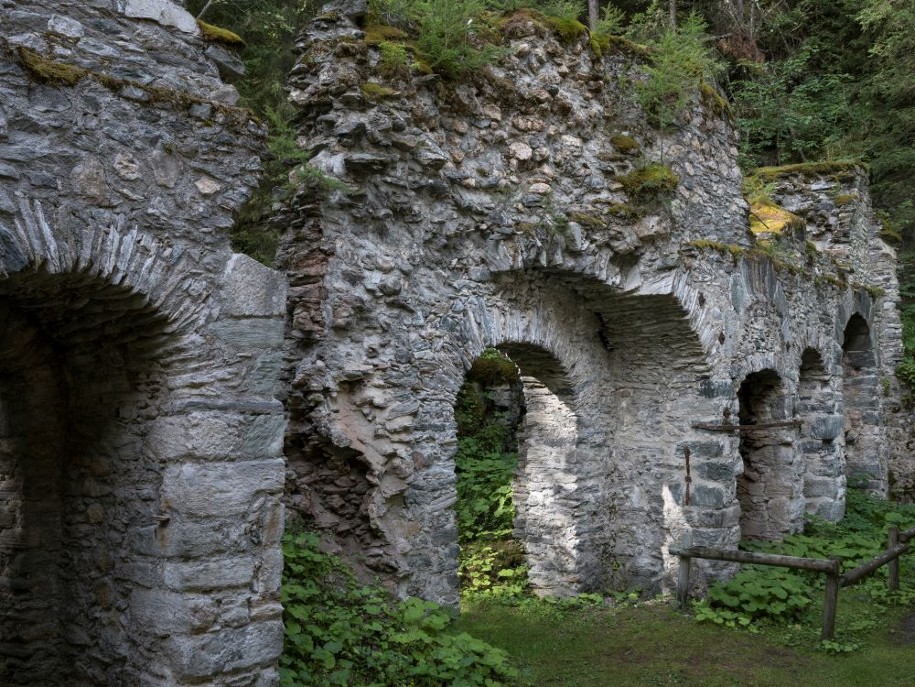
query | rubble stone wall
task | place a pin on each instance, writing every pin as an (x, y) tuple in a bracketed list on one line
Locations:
[(498, 211), (140, 432)]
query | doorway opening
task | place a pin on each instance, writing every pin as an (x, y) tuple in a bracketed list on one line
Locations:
[(489, 411), (770, 489), (861, 399)]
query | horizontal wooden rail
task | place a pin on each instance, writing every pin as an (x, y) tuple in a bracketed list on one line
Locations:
[(896, 546), (796, 562), (865, 569)]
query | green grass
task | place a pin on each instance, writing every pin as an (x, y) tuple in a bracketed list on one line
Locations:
[(653, 644)]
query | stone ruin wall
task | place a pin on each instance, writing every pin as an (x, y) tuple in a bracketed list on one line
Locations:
[(140, 432), (141, 461), (491, 213)]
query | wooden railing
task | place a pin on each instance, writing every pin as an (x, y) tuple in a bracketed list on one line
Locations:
[(896, 546)]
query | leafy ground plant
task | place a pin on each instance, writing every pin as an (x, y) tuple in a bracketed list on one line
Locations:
[(758, 595), (340, 632)]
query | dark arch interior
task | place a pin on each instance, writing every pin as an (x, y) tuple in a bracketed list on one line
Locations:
[(77, 492), (767, 491), (861, 399)]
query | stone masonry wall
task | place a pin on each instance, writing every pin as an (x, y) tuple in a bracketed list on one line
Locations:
[(140, 432), (494, 212)]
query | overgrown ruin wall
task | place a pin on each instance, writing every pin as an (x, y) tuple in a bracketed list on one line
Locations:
[(496, 212), (140, 434), (141, 437)]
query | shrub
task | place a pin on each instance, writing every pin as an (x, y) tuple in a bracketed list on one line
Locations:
[(339, 632), (445, 30), (679, 63)]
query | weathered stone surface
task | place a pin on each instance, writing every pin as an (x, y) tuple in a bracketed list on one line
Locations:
[(634, 322), (115, 349), (164, 12), (252, 290)]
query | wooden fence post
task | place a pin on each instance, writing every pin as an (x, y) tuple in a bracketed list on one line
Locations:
[(683, 582), (831, 601), (892, 576)]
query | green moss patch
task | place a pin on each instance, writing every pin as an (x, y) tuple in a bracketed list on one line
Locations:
[(840, 170), (769, 218), (625, 144), (845, 199), (376, 92), (625, 46), (592, 222), (568, 30), (217, 34), (724, 248), (379, 33), (713, 100), (649, 182), (49, 71)]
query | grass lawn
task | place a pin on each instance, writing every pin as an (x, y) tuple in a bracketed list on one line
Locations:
[(652, 645)]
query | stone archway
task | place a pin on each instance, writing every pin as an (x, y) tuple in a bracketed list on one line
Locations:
[(861, 401), (80, 490), (770, 489), (821, 443), (140, 474)]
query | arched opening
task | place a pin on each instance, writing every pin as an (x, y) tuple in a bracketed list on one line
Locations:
[(517, 511), (861, 400), (489, 411), (821, 442), (78, 495), (770, 489)]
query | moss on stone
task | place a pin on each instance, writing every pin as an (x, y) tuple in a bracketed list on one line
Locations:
[(379, 33), (724, 248), (622, 211), (625, 144), (493, 368), (769, 218), (839, 170), (376, 92), (45, 70), (588, 221), (568, 30), (599, 44), (50, 71), (873, 291), (628, 47), (811, 249), (649, 182), (713, 100), (845, 198), (217, 34)]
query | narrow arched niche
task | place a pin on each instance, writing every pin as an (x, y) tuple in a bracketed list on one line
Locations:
[(861, 401), (769, 489), (821, 443), (78, 495)]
